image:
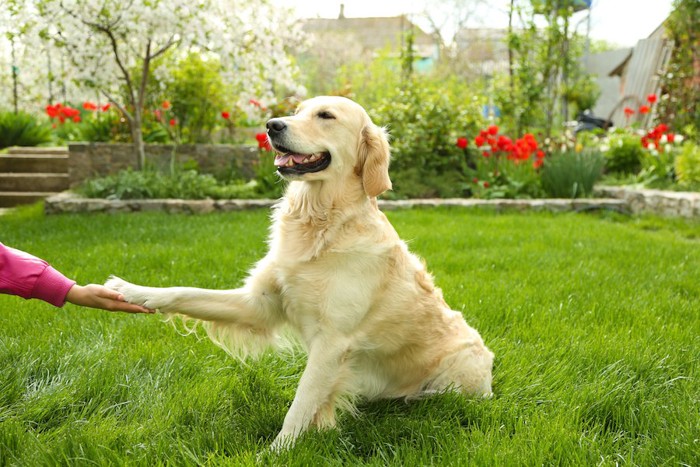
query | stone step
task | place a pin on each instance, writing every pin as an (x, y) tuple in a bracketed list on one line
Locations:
[(60, 150), (34, 163), (28, 182), (10, 199)]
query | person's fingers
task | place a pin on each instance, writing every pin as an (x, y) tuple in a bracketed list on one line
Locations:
[(131, 308), (112, 300)]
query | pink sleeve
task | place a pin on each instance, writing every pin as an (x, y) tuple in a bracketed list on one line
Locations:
[(30, 277)]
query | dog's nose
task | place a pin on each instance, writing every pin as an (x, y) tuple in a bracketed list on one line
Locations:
[(275, 125)]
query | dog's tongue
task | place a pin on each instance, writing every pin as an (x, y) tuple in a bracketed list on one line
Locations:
[(282, 159)]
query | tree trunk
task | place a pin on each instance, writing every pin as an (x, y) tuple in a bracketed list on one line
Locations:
[(137, 137), (511, 78), (15, 72)]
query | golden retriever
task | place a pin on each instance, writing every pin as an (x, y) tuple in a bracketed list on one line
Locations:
[(337, 274)]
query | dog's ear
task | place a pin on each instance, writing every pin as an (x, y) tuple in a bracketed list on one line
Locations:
[(374, 160)]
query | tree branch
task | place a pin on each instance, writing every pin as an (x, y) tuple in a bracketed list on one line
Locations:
[(121, 108), (171, 42)]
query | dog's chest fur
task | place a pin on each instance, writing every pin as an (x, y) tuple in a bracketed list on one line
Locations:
[(321, 284)]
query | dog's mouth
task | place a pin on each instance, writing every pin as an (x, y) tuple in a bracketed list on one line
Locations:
[(291, 163)]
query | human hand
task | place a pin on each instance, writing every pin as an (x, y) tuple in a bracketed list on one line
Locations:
[(99, 296)]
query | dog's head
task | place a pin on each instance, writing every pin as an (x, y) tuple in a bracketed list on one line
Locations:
[(331, 139)]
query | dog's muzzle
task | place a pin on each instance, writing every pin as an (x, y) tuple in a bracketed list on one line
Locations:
[(288, 161)]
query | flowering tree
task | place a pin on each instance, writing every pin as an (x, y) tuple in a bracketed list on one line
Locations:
[(34, 72), (114, 45)]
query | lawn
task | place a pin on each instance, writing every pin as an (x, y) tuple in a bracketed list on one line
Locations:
[(594, 320)]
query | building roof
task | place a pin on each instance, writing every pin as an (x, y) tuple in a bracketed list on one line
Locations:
[(373, 33), (607, 63)]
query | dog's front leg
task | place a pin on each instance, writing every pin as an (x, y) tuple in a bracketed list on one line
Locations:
[(257, 304), (317, 389)]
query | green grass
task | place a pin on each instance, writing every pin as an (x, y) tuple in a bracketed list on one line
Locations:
[(594, 320)]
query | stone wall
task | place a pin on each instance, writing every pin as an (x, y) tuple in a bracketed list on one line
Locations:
[(87, 160), (71, 203), (672, 204), (665, 203)]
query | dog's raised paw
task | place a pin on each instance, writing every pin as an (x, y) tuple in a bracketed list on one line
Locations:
[(116, 283), (132, 293)]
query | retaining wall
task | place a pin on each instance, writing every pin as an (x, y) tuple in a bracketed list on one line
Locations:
[(621, 200), (88, 160), (665, 203)]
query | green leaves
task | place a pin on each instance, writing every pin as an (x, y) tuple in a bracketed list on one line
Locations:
[(148, 184), (572, 174), (22, 129)]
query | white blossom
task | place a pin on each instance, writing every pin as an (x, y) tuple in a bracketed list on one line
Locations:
[(100, 44)]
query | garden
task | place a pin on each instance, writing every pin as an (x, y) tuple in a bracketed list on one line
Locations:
[(593, 316), (443, 143)]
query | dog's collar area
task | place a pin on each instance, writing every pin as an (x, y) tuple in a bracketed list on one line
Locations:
[(298, 164)]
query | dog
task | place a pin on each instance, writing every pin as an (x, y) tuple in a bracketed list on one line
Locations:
[(366, 310)]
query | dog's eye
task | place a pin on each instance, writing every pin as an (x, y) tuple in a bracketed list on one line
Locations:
[(326, 115)]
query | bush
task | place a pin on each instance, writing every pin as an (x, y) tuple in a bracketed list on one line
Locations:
[(687, 165), (572, 174), (104, 129), (624, 154), (268, 182), (148, 184), (422, 120), (22, 129)]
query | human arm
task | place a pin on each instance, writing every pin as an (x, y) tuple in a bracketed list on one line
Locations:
[(30, 277), (27, 276)]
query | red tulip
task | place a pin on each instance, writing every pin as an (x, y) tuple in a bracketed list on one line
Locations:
[(462, 143), (263, 142)]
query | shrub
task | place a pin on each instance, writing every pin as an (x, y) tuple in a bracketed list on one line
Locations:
[(267, 183), (184, 184), (193, 89), (687, 165), (624, 154), (572, 174), (421, 119), (104, 129), (22, 129)]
